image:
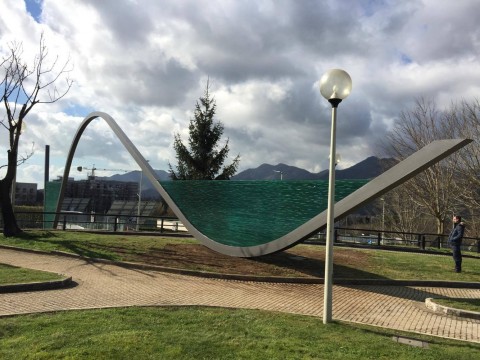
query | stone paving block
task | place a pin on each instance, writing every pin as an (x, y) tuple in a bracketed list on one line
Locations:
[(104, 285)]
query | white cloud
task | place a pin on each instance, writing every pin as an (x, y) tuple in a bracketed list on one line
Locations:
[(147, 63)]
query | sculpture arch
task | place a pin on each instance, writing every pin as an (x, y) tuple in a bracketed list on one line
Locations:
[(262, 245)]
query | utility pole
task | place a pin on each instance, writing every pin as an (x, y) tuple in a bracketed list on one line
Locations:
[(139, 199)]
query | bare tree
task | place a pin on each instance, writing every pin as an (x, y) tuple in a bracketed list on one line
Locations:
[(464, 118), (434, 189), (22, 87), (403, 214)]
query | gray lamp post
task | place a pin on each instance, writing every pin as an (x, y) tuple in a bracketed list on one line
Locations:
[(335, 85), (139, 199), (383, 218)]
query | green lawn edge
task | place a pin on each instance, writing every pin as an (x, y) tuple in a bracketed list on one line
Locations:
[(377, 264), (460, 303), (209, 333), (14, 275)]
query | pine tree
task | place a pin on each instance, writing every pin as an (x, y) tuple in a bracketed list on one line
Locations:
[(203, 161)]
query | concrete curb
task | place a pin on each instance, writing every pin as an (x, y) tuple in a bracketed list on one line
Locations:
[(441, 309), (270, 279), (37, 286)]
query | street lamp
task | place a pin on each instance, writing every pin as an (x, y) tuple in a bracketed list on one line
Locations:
[(335, 85), (139, 199), (383, 217)]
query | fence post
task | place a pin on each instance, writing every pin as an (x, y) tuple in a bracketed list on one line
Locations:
[(379, 239), (421, 241)]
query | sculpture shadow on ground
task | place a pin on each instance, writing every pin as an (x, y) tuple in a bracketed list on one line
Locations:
[(313, 267)]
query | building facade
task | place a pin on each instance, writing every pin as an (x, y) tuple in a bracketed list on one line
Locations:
[(102, 193), (25, 193)]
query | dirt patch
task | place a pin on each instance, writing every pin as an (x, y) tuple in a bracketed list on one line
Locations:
[(302, 261)]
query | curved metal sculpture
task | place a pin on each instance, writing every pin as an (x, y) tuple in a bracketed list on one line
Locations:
[(390, 179)]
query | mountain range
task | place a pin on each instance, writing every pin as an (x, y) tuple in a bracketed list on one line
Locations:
[(366, 169)]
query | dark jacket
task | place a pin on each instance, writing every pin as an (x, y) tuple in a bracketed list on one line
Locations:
[(456, 235)]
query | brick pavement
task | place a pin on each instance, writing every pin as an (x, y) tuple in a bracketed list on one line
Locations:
[(104, 285)]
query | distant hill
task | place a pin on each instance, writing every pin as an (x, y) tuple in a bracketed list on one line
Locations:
[(366, 169), (148, 192), (134, 176), (274, 172)]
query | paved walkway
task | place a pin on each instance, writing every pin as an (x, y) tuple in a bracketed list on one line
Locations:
[(102, 286)]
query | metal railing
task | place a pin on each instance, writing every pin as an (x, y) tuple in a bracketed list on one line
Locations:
[(379, 238), (169, 224), (70, 220)]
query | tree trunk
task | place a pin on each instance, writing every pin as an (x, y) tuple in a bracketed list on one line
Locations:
[(440, 225), (10, 227)]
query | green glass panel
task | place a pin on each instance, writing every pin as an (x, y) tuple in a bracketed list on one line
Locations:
[(52, 192), (250, 213)]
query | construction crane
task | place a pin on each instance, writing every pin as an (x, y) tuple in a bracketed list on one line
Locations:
[(93, 169)]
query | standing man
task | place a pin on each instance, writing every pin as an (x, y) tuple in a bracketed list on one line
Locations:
[(455, 241)]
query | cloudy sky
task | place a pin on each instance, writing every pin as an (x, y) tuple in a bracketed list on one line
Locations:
[(146, 63)]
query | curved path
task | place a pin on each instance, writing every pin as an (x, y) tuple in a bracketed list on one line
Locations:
[(102, 286)]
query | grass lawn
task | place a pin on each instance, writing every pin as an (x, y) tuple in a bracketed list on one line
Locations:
[(463, 304), (206, 333), (107, 246), (213, 333), (400, 265), (300, 261), (15, 275)]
